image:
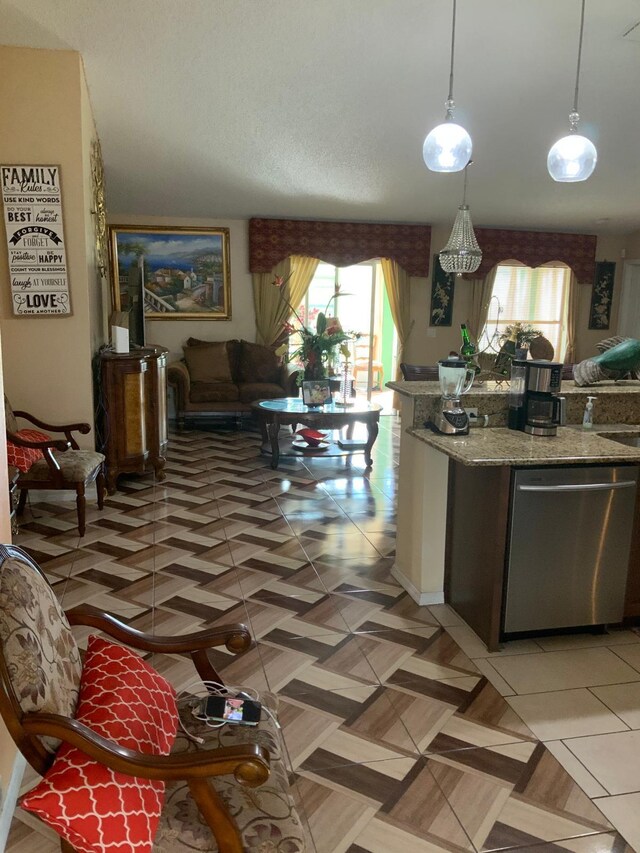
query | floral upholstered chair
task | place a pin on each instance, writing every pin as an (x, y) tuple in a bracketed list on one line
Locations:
[(59, 464), (226, 788)]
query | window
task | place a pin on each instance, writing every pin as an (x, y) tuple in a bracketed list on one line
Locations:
[(537, 296)]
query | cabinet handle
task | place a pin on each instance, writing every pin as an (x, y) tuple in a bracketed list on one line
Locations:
[(579, 487)]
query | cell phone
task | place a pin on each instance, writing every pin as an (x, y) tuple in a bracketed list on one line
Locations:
[(232, 709)]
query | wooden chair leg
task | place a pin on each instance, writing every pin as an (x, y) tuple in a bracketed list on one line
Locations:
[(65, 847), (81, 507), (100, 487), (22, 501), (216, 815)]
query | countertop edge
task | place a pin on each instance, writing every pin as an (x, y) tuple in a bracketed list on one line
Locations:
[(472, 450)]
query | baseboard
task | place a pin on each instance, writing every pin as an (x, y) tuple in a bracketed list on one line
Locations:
[(10, 798), (421, 598)]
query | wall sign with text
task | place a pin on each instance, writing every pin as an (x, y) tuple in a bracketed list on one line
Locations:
[(32, 201)]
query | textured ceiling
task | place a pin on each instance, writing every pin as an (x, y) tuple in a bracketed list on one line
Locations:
[(318, 108)]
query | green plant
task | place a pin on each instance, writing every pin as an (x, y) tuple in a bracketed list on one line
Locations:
[(316, 347), (525, 333)]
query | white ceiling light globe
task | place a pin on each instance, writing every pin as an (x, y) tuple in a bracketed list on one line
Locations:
[(572, 158), (447, 148)]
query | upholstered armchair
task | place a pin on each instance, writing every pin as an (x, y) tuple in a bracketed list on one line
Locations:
[(53, 464), (226, 787)]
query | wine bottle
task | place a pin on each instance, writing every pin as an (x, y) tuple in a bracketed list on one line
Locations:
[(468, 349), (506, 355)]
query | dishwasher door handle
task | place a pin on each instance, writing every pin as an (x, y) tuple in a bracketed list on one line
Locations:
[(580, 487)]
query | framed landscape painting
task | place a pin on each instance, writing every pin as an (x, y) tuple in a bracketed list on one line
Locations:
[(183, 272)]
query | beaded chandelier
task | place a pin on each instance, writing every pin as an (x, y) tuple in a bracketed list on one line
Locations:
[(462, 253)]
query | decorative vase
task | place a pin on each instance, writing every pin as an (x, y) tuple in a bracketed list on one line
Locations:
[(314, 370)]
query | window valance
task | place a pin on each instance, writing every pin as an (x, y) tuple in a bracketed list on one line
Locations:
[(338, 243), (533, 248)]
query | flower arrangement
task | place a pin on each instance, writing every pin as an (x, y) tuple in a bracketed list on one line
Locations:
[(525, 333), (316, 347)]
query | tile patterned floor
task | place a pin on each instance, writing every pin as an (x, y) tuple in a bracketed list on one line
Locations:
[(402, 731)]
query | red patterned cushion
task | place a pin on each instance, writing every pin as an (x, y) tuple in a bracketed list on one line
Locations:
[(24, 457), (94, 808)]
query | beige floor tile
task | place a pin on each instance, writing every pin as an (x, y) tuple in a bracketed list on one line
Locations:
[(630, 654), (624, 814), (546, 671), (624, 700), (575, 769), (494, 677), (445, 615), (586, 641), (613, 759), (565, 714), (474, 647)]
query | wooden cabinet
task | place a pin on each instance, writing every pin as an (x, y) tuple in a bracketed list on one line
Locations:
[(134, 405)]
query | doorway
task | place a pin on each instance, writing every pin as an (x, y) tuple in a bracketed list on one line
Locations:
[(357, 296)]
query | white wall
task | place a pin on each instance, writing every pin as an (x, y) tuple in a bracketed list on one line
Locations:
[(47, 360)]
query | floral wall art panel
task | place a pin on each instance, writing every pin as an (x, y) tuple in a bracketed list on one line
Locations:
[(602, 295), (442, 286)]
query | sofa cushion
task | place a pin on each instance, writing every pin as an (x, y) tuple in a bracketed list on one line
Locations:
[(99, 810), (233, 353), (213, 392), (258, 364), (208, 362), (24, 457), (252, 391)]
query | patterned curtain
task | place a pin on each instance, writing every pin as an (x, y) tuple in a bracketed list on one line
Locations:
[(398, 286), (272, 312)]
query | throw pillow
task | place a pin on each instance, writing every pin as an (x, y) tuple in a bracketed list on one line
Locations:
[(259, 364), (24, 457), (208, 362), (96, 809)]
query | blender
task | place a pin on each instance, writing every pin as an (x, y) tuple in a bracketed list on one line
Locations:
[(456, 378)]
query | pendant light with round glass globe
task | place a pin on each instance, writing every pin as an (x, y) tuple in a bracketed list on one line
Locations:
[(448, 147), (574, 157)]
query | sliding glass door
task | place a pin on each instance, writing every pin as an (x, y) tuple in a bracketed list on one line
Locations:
[(357, 296)]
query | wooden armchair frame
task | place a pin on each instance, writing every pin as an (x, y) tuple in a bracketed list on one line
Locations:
[(55, 480), (248, 763)]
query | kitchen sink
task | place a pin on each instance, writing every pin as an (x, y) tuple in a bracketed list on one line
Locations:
[(629, 440)]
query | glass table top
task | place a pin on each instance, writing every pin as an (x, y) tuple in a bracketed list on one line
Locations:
[(296, 406)]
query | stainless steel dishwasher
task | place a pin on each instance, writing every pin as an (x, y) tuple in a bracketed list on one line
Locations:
[(568, 551)]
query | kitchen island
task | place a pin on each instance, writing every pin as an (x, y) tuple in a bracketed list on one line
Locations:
[(456, 489)]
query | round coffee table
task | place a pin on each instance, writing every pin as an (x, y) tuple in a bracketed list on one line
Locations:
[(290, 411)]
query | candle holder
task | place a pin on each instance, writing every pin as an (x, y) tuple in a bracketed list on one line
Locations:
[(344, 396)]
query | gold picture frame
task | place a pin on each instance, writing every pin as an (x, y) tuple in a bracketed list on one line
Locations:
[(184, 272)]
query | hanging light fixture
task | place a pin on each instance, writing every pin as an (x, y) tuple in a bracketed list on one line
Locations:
[(462, 253), (574, 157), (448, 147)]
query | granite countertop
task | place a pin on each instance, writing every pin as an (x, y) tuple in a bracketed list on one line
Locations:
[(432, 389), (501, 446)]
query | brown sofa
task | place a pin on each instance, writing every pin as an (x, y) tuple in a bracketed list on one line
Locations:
[(221, 379)]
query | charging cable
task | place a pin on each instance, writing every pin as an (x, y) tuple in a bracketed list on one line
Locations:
[(215, 688)]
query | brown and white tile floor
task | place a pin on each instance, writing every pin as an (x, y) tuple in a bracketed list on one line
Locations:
[(402, 731)]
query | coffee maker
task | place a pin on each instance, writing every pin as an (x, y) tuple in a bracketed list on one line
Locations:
[(535, 406), (455, 378)]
